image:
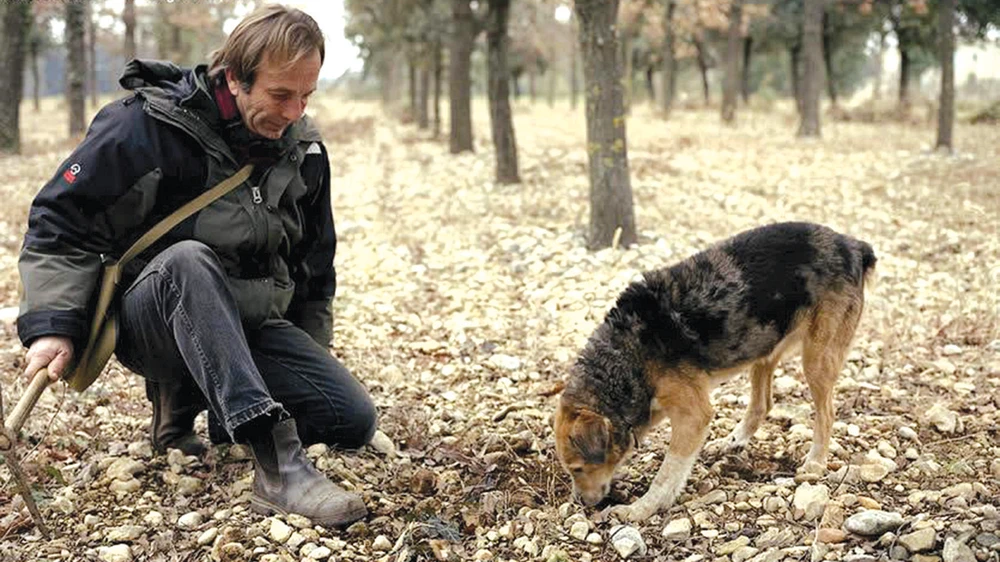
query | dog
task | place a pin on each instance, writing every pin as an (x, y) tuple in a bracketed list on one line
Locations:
[(680, 332)]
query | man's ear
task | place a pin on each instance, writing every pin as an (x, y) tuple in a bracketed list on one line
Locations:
[(231, 82), (590, 435)]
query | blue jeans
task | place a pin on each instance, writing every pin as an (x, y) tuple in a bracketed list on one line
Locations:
[(179, 323)]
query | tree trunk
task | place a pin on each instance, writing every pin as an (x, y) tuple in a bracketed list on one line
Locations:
[(75, 67), (501, 123), (438, 67), (831, 86), (532, 91), (612, 217), (459, 79), (550, 79), (904, 77), (702, 58), (794, 54), (812, 47), (650, 88), (36, 87), (411, 74), (15, 19), (91, 53), (745, 71), (668, 78), (879, 63), (423, 97), (574, 61), (731, 84), (946, 47), (626, 53), (128, 18)]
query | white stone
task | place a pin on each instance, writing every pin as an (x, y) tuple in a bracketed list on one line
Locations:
[(810, 500), (279, 532), (677, 530), (579, 530), (382, 543), (116, 553), (190, 520), (208, 536), (627, 541)]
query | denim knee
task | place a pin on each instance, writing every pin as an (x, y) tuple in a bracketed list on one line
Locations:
[(354, 430), (189, 256)]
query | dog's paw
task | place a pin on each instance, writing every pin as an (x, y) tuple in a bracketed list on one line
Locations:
[(810, 471), (633, 513), (728, 444)]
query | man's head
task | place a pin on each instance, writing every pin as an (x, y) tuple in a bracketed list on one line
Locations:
[(271, 62)]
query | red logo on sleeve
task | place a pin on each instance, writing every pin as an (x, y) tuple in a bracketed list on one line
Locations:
[(70, 174)]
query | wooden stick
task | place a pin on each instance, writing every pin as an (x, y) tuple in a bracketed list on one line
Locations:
[(19, 414)]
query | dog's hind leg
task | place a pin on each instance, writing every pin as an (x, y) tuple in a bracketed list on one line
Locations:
[(824, 349), (761, 375)]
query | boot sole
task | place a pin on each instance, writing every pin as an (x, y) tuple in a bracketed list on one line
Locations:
[(264, 507)]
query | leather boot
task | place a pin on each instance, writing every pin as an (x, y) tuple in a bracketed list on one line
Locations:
[(175, 405), (285, 481)]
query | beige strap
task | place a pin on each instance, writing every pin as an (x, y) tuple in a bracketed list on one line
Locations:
[(189, 208)]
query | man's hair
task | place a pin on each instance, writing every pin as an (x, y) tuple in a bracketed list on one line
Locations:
[(284, 34)]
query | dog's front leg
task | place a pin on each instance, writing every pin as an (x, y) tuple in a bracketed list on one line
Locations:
[(689, 409)]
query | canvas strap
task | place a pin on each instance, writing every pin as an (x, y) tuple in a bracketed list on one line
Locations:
[(188, 209)]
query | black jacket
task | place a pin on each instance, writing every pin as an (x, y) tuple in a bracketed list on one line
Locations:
[(146, 155)]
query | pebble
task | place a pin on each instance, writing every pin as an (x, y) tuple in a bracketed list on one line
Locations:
[(116, 553), (873, 523), (190, 520), (957, 551), (208, 536), (382, 543), (827, 535), (124, 533), (945, 420), (677, 530), (810, 500), (383, 444), (579, 530), (919, 541), (298, 521), (482, 555), (627, 541), (153, 518), (732, 546), (125, 486), (124, 469), (320, 553), (188, 486), (775, 537), (595, 538), (908, 433), (279, 532), (744, 553)]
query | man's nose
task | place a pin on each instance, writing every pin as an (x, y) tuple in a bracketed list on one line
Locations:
[(293, 110)]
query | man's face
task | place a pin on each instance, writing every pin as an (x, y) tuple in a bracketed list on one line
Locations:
[(278, 96)]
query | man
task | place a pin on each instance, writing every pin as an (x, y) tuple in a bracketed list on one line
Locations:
[(231, 309)]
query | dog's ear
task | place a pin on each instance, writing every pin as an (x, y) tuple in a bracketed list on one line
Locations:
[(590, 435)]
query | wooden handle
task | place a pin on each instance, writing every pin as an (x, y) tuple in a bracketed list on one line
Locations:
[(24, 406)]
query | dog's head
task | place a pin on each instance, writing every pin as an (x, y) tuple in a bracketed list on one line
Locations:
[(587, 449)]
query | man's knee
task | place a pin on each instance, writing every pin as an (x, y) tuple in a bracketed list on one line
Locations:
[(349, 430), (189, 256)]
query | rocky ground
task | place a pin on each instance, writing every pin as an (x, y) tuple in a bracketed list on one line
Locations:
[(461, 304)]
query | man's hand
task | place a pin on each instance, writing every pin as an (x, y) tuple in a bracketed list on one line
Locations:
[(53, 352)]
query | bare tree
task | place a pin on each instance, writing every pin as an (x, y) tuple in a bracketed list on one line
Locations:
[(15, 18), (75, 70), (501, 123), (612, 217), (946, 51), (91, 39), (812, 75), (732, 79), (128, 18), (669, 76), (459, 78)]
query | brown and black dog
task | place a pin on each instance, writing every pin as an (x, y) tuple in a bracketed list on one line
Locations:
[(680, 332)]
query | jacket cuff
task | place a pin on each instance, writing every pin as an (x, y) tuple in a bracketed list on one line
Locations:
[(33, 325)]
